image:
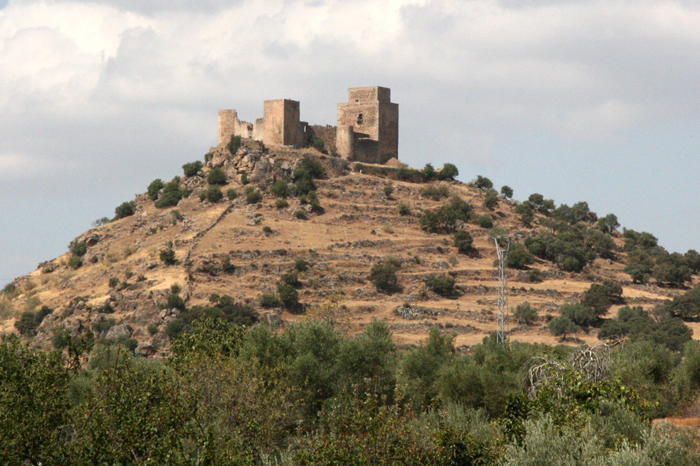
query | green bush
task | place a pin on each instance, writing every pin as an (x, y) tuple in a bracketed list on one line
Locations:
[(485, 221), (113, 282), (482, 182), (280, 188), (300, 214), (191, 169), (428, 172), (171, 194), (78, 248), (288, 295), (252, 195), (525, 314), (404, 209), (435, 192), (231, 194), (449, 172), (216, 176), (301, 265), (463, 241), (214, 194), (519, 257), (601, 296), (281, 204), (491, 199), (234, 144), (291, 279), (408, 174), (445, 218), (526, 212), (175, 301), (75, 262), (167, 256), (29, 322), (444, 285), (125, 209), (383, 276), (269, 300), (388, 191), (154, 188)]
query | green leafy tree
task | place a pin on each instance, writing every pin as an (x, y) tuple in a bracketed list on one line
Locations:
[(463, 241), (428, 172), (444, 285), (507, 192), (562, 326), (608, 224), (217, 177), (191, 169), (125, 209), (383, 276), (234, 144), (484, 183), (154, 188), (525, 314), (519, 257), (449, 172)]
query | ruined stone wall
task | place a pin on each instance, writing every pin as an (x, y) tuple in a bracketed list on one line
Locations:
[(327, 133), (230, 125)]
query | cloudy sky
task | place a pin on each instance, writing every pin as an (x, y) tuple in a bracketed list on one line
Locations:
[(577, 100)]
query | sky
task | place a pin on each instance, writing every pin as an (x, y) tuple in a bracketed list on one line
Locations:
[(578, 100)]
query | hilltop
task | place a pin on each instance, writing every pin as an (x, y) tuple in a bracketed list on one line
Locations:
[(321, 224)]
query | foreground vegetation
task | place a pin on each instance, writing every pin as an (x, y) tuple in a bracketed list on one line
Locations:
[(312, 396)]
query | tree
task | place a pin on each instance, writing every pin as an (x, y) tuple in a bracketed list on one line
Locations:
[(383, 276), (686, 306), (482, 182), (428, 172), (562, 326), (507, 192), (444, 285), (525, 314), (519, 257), (289, 296), (601, 296), (639, 266), (608, 224), (463, 241), (449, 172), (125, 209), (580, 314), (154, 188)]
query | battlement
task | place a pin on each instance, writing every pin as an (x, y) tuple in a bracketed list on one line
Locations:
[(367, 130)]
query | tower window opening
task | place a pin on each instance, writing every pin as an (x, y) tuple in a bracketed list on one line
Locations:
[(360, 119)]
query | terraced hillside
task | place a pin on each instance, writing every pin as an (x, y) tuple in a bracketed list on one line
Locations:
[(129, 284)]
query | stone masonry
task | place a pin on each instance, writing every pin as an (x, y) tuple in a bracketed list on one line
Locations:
[(367, 130)]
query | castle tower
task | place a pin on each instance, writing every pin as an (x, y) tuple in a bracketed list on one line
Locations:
[(282, 123), (372, 120)]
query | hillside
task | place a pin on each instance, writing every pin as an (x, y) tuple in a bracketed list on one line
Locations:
[(242, 248)]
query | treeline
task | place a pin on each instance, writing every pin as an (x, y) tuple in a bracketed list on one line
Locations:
[(313, 396)]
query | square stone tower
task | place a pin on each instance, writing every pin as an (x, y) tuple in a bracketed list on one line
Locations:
[(368, 126), (282, 122)]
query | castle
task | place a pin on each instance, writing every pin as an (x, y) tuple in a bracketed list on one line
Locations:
[(367, 130)]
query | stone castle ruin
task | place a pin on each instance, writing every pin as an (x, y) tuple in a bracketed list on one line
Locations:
[(367, 130)]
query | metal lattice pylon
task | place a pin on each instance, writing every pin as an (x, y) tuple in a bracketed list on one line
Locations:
[(502, 317)]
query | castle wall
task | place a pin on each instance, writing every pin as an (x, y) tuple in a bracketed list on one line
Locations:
[(327, 133), (345, 142), (227, 125)]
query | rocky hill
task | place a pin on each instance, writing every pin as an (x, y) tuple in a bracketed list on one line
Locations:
[(136, 278)]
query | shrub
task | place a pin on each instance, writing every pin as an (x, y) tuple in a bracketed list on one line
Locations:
[(491, 200), (252, 195), (244, 178), (171, 194), (317, 143), (404, 209), (580, 314), (428, 172), (154, 188), (435, 192), (445, 218), (113, 282), (463, 241), (312, 167), (29, 321), (519, 257), (483, 183), (125, 209), (231, 194), (525, 210), (601, 296), (449, 172), (288, 295), (280, 188), (384, 277), (408, 174), (281, 204), (61, 338), (525, 314), (168, 256), (269, 300), (216, 177), (388, 190), (301, 265), (234, 144), (300, 214), (75, 262), (291, 279), (267, 230), (214, 194), (191, 169), (152, 329), (175, 301), (78, 248), (226, 266), (444, 285), (485, 221)]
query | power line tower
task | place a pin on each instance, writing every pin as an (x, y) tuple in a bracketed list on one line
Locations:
[(502, 279)]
